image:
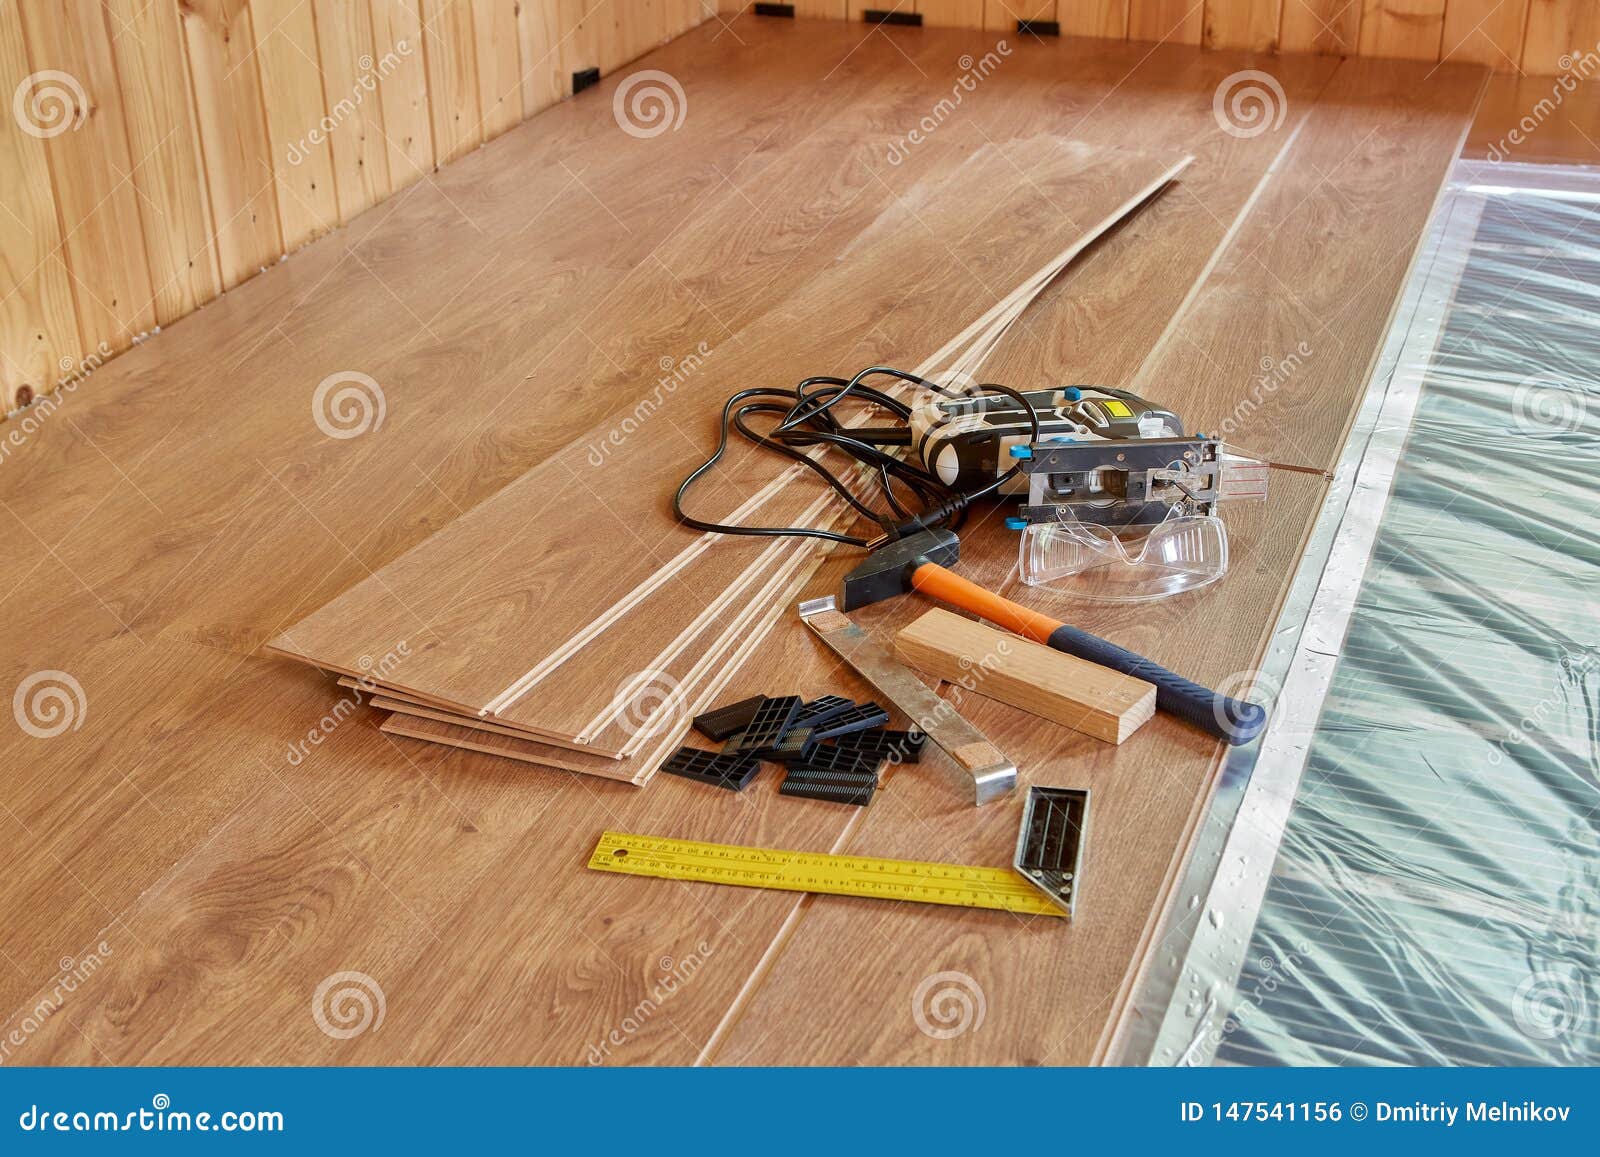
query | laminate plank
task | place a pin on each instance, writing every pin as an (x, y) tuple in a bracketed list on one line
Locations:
[(1079, 977), (417, 866)]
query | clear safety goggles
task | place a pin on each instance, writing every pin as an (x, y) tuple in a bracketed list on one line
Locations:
[(1125, 564)]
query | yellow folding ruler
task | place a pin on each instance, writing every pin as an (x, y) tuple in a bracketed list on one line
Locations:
[(872, 877)]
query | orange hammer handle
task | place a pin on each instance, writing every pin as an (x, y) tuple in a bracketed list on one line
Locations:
[(936, 582)]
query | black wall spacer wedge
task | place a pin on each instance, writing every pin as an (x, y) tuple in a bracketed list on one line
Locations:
[(733, 772), (725, 722)]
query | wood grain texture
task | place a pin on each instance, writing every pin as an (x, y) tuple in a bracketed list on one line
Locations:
[(1029, 676), (496, 38), (39, 341), (233, 136), (449, 43), (1330, 27), (292, 94), (1175, 21), (403, 89), (1558, 33), (350, 78), (1409, 29), (91, 171), (1521, 121), (232, 873), (1486, 32), (1103, 18), (158, 105), (1245, 24)]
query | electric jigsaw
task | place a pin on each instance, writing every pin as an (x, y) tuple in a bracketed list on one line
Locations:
[(1101, 455)]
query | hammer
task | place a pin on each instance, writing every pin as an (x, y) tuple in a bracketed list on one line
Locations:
[(918, 562)]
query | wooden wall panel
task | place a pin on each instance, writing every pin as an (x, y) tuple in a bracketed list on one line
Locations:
[(1107, 19), (350, 72), (90, 169), (1412, 29), (1246, 24), (201, 139), (495, 34), (158, 105), (1324, 27), (233, 135), (951, 13), (1172, 21), (1485, 31), (39, 339), (1556, 30), (448, 43), (538, 34), (1002, 15), (291, 92), (403, 89)]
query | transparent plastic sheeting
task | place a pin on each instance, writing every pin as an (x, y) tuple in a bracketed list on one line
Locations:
[(1434, 895)]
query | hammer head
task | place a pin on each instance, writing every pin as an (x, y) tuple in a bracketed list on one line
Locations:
[(887, 570)]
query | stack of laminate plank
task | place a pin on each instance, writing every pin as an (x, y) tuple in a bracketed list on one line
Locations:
[(568, 620)]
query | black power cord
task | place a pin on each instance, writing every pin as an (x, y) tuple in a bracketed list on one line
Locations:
[(807, 420)]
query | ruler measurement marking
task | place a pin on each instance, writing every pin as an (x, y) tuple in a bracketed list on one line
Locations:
[(958, 885)]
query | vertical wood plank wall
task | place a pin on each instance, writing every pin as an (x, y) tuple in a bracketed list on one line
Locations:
[(1533, 37), (154, 153)]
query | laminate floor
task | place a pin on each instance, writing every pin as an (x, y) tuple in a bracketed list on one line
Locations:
[(226, 836)]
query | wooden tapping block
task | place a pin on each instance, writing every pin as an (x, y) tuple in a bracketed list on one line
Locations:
[(1060, 687)]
